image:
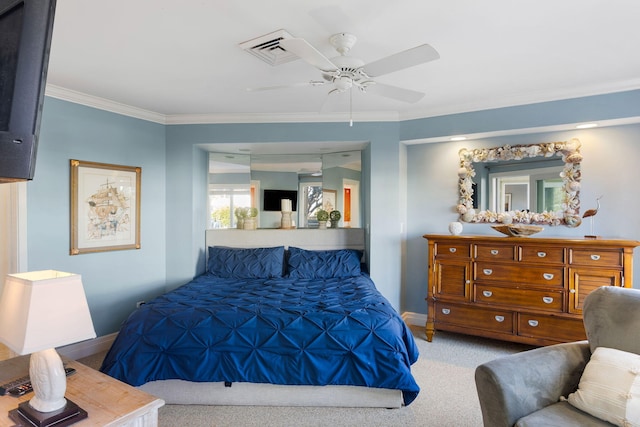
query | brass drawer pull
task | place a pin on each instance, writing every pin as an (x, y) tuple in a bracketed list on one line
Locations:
[(494, 252), (595, 257), (500, 319), (487, 271), (452, 250), (487, 293), (548, 276), (547, 300), (446, 311), (533, 323), (542, 254)]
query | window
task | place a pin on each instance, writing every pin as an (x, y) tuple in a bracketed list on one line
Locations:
[(225, 198), (311, 201)]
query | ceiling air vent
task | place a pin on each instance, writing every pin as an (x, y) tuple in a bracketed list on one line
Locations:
[(268, 48)]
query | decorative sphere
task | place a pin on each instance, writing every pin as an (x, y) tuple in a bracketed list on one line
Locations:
[(455, 228)]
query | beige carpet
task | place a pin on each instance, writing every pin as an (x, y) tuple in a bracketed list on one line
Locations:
[(447, 397)]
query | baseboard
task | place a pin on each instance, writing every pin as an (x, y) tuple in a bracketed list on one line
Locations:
[(87, 348), (414, 319)]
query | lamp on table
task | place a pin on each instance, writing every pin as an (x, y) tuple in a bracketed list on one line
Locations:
[(39, 311)]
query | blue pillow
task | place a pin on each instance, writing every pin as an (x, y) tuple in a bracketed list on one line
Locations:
[(249, 263), (306, 264)]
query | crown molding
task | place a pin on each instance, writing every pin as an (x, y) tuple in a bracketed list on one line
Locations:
[(64, 94), (191, 119), (103, 104), (524, 99), (387, 116)]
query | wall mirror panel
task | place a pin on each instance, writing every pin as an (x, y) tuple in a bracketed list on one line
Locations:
[(330, 181), (529, 184)]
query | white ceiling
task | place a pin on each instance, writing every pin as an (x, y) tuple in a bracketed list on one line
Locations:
[(180, 59)]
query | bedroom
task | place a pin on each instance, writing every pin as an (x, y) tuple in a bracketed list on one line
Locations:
[(412, 188)]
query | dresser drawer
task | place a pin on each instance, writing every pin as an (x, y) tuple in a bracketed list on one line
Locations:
[(541, 255), (515, 273), (495, 252), (556, 328), (452, 249), (479, 318), (595, 257), (532, 299)]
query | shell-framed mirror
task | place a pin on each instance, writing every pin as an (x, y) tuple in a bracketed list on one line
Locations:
[(521, 184)]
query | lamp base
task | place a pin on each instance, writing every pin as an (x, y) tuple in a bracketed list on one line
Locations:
[(25, 415)]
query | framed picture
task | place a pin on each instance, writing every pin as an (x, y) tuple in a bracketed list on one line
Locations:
[(328, 200), (105, 207)]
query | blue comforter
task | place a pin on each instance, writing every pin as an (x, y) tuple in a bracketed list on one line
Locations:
[(338, 331)]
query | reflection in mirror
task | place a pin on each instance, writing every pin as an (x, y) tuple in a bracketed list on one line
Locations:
[(532, 186), (341, 177), (229, 188), (502, 190), (301, 173), (330, 181)]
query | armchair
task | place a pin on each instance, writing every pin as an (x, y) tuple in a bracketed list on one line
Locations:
[(525, 389)]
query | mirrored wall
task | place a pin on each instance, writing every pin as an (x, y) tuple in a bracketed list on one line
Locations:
[(328, 181)]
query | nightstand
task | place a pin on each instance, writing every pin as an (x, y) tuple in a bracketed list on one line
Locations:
[(108, 402)]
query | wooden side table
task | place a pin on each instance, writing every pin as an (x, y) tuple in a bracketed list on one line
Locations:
[(108, 402)]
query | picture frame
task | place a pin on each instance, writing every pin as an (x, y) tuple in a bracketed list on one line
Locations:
[(105, 207), (329, 200)]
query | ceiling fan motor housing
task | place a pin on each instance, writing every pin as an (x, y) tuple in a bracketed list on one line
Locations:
[(343, 42)]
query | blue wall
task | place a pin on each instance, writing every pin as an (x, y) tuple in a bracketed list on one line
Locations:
[(113, 281), (408, 190), (609, 168), (185, 236)]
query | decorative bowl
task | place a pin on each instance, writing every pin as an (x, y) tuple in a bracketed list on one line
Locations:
[(518, 230)]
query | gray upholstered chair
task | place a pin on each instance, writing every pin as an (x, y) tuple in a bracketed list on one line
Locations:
[(524, 389)]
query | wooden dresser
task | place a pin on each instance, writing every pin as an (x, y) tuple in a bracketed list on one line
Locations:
[(522, 289)]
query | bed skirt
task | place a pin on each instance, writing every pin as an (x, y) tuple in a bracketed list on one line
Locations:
[(180, 392)]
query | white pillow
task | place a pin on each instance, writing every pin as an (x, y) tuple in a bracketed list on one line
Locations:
[(609, 388)]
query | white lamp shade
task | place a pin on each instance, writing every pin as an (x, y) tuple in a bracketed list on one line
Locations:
[(43, 309)]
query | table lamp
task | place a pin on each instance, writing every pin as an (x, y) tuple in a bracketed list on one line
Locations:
[(39, 311)]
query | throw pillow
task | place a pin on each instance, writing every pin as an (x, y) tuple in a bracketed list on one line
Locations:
[(609, 388)]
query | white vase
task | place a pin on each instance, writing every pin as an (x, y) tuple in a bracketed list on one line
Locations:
[(455, 228)]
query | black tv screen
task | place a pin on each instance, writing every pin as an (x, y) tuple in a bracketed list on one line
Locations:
[(271, 199), (26, 27)]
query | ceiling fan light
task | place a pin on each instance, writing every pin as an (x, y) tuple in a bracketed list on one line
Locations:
[(343, 83)]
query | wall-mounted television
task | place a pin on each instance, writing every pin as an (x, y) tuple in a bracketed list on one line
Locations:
[(271, 199), (26, 27)]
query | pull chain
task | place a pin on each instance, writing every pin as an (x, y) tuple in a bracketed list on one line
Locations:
[(350, 107)]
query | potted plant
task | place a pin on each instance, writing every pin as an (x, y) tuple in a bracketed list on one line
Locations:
[(334, 217), (250, 219), (241, 215), (322, 216)]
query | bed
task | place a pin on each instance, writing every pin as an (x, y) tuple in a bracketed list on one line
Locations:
[(278, 325)]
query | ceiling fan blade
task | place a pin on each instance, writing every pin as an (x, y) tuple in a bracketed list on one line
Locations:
[(401, 60), (307, 52), (394, 92), (310, 83)]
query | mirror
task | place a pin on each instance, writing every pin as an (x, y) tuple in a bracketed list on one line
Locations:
[(541, 192), (329, 181), (341, 177)]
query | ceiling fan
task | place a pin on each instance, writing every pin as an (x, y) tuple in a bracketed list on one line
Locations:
[(346, 72)]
